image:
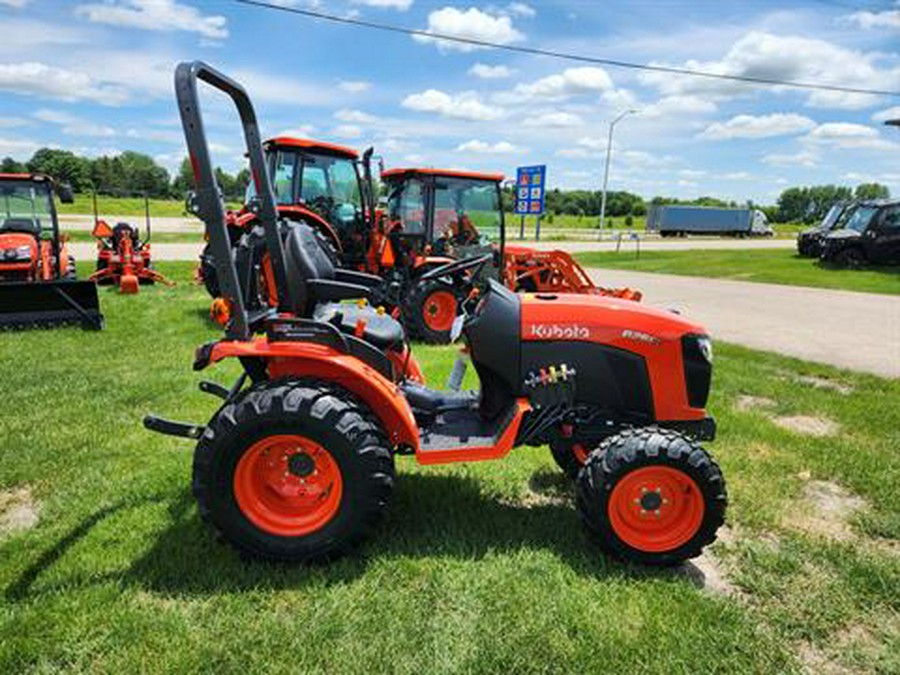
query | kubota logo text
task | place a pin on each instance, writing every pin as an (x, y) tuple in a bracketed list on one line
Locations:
[(556, 331)]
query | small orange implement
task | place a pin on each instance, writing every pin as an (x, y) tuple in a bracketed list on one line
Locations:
[(123, 259)]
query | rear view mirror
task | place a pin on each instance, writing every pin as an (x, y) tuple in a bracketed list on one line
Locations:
[(64, 191)]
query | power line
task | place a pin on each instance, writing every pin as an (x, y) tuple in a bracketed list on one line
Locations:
[(613, 63)]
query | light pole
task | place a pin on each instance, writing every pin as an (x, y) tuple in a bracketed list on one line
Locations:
[(612, 125)]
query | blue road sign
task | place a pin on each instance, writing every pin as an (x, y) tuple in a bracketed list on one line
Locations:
[(530, 184)]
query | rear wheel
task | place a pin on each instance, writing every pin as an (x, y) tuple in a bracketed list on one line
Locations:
[(294, 470), (430, 309), (651, 496)]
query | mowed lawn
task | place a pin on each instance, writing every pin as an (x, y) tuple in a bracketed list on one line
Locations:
[(774, 266), (479, 568)]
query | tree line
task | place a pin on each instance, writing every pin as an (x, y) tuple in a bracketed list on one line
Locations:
[(133, 172), (126, 173)]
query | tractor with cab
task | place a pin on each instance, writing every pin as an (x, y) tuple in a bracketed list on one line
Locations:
[(38, 280), (298, 461)]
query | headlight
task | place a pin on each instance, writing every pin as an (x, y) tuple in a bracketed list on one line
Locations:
[(706, 348)]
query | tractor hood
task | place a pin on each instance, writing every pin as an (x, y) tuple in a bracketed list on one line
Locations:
[(13, 241), (596, 318), (842, 235)]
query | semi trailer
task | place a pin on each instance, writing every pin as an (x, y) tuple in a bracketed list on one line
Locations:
[(679, 221)]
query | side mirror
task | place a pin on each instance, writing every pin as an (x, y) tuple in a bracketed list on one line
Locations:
[(64, 191)]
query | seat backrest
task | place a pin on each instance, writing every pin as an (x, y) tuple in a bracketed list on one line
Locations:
[(304, 261)]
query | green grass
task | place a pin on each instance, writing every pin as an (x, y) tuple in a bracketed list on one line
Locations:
[(478, 568), (775, 266), (126, 206)]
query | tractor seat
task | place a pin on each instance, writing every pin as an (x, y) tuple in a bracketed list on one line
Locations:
[(381, 330)]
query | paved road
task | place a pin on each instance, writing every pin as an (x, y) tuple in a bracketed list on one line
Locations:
[(860, 331), (190, 250)]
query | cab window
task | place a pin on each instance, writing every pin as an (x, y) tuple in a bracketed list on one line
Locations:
[(406, 205), (285, 171)]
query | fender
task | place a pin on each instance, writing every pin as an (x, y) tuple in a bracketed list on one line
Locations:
[(304, 359)]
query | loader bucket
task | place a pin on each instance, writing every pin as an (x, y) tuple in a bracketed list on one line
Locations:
[(49, 303), (128, 285)]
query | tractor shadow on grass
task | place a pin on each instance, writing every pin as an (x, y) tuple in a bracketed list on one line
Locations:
[(431, 516)]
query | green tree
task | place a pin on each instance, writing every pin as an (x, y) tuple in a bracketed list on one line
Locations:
[(62, 165), (9, 165), (871, 191)]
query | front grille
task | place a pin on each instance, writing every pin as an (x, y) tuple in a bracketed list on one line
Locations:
[(697, 371)]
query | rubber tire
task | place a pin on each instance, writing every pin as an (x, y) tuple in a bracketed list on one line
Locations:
[(850, 258), (318, 410), (565, 458), (208, 273), (618, 455), (414, 311)]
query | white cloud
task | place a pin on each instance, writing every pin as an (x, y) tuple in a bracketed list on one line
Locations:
[(355, 116), (15, 4), (598, 144), (737, 175), (570, 82), (521, 9), (806, 159), (465, 105), (850, 136), (763, 126), (72, 125), (764, 55), (19, 148), (470, 24), (400, 5), (156, 15), (887, 19), (486, 72), (672, 106), (553, 119), (482, 148), (12, 122), (39, 79), (888, 114), (347, 131), (354, 86), (573, 153), (302, 131)]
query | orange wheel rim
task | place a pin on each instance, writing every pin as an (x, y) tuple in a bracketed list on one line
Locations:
[(288, 485), (656, 509), (440, 310)]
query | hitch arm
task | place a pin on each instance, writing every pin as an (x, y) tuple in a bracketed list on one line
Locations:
[(172, 428)]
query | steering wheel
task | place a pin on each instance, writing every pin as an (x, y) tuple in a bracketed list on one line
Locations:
[(323, 204), (457, 266)]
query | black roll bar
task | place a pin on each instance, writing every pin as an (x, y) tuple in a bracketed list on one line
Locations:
[(209, 197)]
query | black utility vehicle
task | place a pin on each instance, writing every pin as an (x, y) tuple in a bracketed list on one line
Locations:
[(809, 241), (870, 234)]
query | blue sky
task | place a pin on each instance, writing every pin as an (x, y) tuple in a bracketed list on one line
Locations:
[(95, 77)]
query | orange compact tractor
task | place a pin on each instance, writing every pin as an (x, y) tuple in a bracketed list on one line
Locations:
[(317, 183), (38, 285), (297, 462), (123, 258), (437, 215)]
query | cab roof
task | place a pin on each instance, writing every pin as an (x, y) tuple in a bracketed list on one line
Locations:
[(446, 173), (313, 145), (25, 177)]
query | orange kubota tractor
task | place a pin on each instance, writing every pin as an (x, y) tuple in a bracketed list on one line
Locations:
[(38, 285), (297, 462), (437, 215), (315, 182)]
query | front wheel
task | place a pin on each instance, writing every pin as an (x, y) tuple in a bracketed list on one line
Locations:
[(851, 258), (651, 496), (294, 470), (430, 310)]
